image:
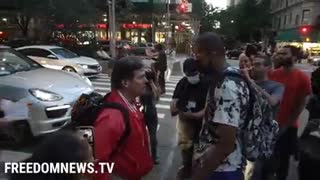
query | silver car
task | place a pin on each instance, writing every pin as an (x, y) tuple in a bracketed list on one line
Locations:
[(48, 94), (59, 58)]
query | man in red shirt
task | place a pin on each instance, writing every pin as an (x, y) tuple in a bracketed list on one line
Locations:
[(297, 89), (132, 159)]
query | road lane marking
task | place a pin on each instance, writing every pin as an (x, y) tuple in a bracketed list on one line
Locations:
[(161, 106), (100, 84)]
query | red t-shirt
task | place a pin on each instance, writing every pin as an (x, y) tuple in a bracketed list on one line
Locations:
[(296, 84)]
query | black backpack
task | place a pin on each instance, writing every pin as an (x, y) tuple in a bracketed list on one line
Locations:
[(87, 109)]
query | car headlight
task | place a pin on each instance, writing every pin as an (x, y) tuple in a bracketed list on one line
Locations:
[(44, 95), (87, 80), (84, 66)]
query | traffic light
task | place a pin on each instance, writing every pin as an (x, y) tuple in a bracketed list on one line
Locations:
[(305, 30), (182, 8)]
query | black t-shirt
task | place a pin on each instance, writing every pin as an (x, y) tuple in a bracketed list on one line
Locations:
[(191, 97)]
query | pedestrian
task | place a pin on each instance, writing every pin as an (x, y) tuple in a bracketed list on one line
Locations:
[(189, 102), (297, 89), (261, 169), (149, 100), (132, 159), (171, 56), (218, 155), (161, 66), (310, 139), (61, 147), (121, 53), (102, 54), (244, 61), (275, 60)]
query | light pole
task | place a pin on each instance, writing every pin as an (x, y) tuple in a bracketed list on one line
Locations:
[(112, 26)]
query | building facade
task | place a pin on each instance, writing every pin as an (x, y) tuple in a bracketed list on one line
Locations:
[(296, 20)]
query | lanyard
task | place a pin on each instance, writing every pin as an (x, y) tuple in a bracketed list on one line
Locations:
[(131, 106)]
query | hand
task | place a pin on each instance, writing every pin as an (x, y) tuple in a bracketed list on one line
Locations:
[(197, 173), (245, 72)]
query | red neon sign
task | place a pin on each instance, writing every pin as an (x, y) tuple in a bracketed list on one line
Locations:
[(136, 26)]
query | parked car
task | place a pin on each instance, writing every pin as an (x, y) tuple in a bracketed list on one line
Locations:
[(139, 49), (48, 94), (59, 58), (123, 43)]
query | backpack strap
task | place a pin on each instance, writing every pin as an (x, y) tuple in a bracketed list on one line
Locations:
[(251, 93), (126, 118)]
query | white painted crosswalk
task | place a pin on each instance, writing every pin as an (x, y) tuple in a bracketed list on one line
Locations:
[(102, 85)]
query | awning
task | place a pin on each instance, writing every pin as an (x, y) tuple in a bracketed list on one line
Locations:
[(289, 35)]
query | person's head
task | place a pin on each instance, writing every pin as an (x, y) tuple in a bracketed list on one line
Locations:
[(210, 53), (315, 81), (191, 71), (159, 47), (276, 61), (261, 65), (244, 61), (251, 51), (64, 147), (287, 55), (129, 75)]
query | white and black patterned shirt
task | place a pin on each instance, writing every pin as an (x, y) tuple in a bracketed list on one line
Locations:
[(226, 104)]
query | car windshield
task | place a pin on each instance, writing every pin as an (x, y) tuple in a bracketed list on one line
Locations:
[(12, 61), (64, 53)]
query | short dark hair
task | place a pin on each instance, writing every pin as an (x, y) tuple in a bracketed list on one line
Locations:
[(266, 60), (60, 147), (159, 47), (211, 42), (190, 66), (294, 50), (251, 50), (124, 70)]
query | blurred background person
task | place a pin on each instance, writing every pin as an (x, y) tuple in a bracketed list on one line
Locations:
[(149, 100), (65, 147), (102, 54), (310, 139), (171, 57), (161, 67), (244, 61)]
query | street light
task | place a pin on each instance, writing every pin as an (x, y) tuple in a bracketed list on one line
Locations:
[(4, 19), (232, 21), (112, 25)]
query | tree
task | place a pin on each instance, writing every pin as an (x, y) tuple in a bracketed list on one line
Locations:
[(26, 10), (247, 21)]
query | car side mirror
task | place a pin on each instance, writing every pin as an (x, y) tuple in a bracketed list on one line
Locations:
[(52, 56)]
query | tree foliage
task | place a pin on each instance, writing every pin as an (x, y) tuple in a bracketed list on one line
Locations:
[(244, 22)]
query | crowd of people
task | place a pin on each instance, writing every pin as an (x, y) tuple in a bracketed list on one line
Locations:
[(218, 117)]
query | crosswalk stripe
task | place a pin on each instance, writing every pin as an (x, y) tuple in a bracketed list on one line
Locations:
[(99, 89), (169, 93), (101, 80), (161, 106), (166, 99), (101, 83), (170, 88)]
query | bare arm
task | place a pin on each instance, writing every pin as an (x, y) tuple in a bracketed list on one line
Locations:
[(217, 153), (272, 99)]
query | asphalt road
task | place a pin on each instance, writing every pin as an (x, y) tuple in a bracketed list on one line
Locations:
[(169, 155)]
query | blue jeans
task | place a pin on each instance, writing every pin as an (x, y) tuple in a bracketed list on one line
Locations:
[(232, 175)]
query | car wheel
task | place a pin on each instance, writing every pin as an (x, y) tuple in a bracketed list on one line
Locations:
[(69, 69), (21, 133)]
